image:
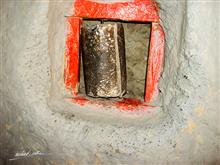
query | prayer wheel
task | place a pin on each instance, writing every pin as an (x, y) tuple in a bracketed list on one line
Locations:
[(104, 64)]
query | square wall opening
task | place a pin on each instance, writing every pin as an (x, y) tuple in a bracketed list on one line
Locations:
[(137, 38)]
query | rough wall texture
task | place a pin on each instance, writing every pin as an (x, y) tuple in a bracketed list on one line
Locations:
[(34, 116)]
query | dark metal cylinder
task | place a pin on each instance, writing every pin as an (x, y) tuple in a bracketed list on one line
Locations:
[(103, 51)]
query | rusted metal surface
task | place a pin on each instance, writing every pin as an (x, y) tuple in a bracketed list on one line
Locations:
[(103, 50)]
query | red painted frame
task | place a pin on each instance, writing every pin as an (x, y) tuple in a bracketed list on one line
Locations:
[(71, 72), (139, 11)]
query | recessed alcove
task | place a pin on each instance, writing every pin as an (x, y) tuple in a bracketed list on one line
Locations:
[(144, 60), (137, 37)]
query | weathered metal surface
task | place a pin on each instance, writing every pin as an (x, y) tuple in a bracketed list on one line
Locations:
[(103, 52)]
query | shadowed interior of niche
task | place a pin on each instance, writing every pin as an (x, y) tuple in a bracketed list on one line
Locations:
[(137, 37)]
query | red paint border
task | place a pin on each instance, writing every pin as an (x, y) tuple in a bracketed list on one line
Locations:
[(125, 104), (71, 71), (139, 10), (155, 62)]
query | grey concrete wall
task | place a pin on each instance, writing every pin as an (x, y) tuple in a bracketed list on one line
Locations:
[(35, 117)]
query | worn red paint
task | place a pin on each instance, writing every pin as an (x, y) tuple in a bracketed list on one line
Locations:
[(80, 100), (71, 72), (126, 104), (131, 104), (155, 62), (140, 11)]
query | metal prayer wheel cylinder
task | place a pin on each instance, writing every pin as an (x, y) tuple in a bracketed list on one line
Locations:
[(104, 64)]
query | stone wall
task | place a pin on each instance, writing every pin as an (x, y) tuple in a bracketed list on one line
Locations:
[(35, 117)]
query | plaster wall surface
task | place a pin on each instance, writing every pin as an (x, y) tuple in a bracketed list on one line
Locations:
[(36, 117)]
